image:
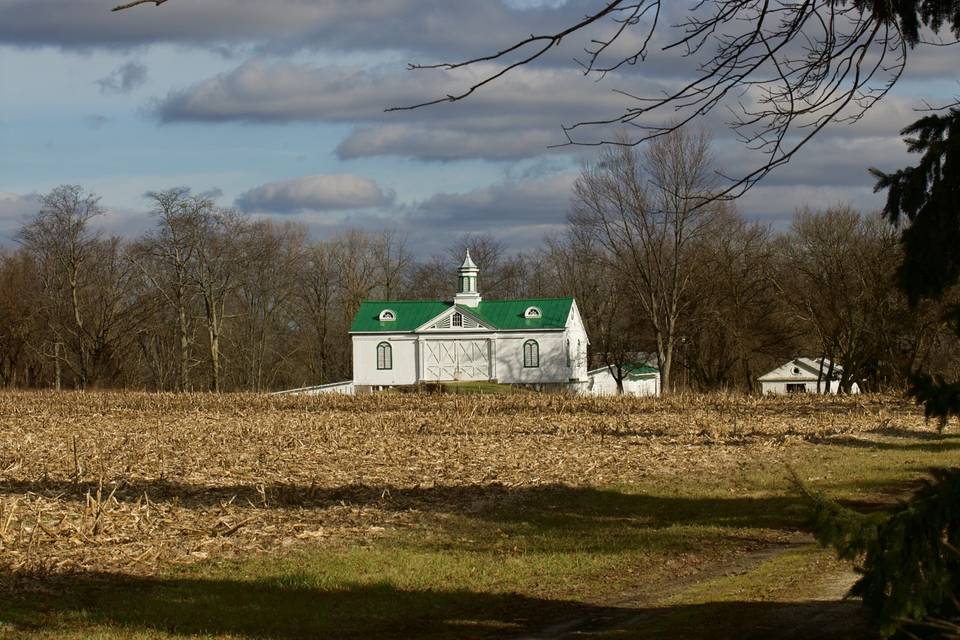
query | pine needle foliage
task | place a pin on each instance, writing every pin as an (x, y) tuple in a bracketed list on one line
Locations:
[(910, 558), (926, 198), (910, 562), (911, 16)]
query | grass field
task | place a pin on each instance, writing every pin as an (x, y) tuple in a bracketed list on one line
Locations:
[(437, 516)]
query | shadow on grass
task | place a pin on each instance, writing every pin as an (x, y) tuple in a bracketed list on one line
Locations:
[(929, 444), (915, 434), (491, 502), (289, 606)]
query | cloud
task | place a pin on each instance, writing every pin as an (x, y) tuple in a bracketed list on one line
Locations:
[(15, 210), (518, 212), (316, 193), (830, 161), (776, 205), (124, 79), (425, 143), (261, 91), (18, 209), (96, 121), (520, 116), (543, 201), (436, 27), (517, 118), (213, 193)]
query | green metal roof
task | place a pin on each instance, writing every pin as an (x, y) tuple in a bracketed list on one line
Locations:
[(500, 314), (640, 370), (410, 314), (508, 314)]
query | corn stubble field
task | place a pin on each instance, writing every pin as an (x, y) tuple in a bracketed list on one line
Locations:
[(134, 483), (106, 481)]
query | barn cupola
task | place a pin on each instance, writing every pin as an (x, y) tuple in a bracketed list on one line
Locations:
[(467, 293)]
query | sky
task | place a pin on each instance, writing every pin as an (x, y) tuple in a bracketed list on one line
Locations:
[(277, 108)]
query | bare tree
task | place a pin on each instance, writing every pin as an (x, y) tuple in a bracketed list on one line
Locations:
[(578, 266), (644, 211), (21, 324), (63, 244), (268, 278), (736, 322), (317, 306), (214, 274), (431, 279), (392, 262), (357, 269), (111, 304), (838, 275), (166, 258)]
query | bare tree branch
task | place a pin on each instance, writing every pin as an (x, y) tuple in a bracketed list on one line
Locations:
[(136, 3), (783, 69)]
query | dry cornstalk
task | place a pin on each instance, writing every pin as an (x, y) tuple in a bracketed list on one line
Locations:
[(265, 471)]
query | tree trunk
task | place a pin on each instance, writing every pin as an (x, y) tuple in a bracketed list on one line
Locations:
[(214, 359), (618, 376), (81, 343), (183, 381), (56, 365), (184, 364)]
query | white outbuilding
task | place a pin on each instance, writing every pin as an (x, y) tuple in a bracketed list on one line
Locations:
[(803, 375), (540, 342), (639, 380)]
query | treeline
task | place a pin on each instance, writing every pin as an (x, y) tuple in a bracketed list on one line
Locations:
[(208, 299), (686, 277), (211, 299)]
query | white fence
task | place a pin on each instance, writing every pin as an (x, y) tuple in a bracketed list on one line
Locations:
[(344, 388)]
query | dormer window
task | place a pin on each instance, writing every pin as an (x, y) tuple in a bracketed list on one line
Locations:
[(533, 313), (457, 320), (387, 315)]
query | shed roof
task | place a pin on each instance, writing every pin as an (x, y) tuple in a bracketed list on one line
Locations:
[(801, 369), (500, 314)]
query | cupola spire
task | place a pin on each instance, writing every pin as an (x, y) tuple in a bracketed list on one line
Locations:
[(468, 294)]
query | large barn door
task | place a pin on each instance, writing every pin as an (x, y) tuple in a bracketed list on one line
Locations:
[(440, 359), (473, 360), (457, 359)]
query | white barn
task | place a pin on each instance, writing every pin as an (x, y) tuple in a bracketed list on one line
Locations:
[(801, 375), (405, 342), (640, 380)]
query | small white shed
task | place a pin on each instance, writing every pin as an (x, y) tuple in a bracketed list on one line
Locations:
[(640, 380), (800, 375)]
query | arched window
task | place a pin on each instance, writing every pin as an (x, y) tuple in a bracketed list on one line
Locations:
[(384, 356), (531, 354), (533, 313), (457, 320), (387, 315)]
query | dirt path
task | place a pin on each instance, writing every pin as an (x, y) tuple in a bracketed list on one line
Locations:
[(825, 614)]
